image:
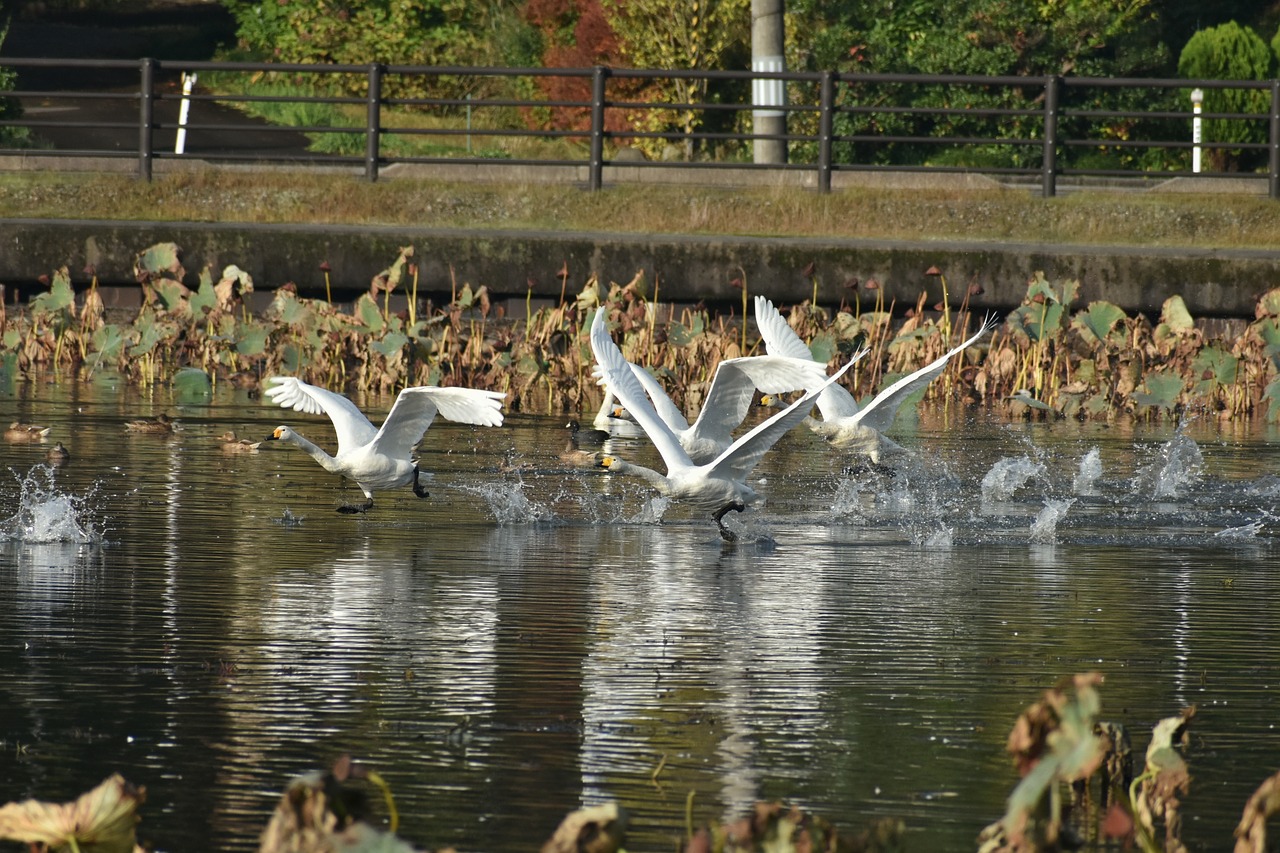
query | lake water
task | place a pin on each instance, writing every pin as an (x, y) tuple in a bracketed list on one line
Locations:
[(528, 640)]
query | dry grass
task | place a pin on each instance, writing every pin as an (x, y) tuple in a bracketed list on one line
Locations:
[(1146, 219)]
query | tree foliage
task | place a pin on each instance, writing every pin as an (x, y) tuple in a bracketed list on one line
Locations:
[(695, 35), (344, 32)]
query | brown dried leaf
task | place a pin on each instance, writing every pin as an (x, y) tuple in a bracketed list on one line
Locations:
[(102, 820), (597, 829), (1251, 833)]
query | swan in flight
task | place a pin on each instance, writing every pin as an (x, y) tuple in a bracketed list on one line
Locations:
[(844, 423), (718, 486), (729, 398), (379, 459)]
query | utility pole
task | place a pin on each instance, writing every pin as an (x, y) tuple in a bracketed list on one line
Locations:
[(767, 30)]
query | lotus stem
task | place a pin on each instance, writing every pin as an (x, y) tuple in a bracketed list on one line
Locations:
[(393, 816)]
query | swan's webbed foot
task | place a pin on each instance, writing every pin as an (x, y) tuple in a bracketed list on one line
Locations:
[(352, 509), (419, 489), (725, 533)]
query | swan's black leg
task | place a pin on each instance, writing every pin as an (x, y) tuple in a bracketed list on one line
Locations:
[(352, 509), (725, 533), (419, 489)]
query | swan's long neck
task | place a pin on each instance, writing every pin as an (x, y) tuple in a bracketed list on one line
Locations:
[(654, 478), (326, 461)]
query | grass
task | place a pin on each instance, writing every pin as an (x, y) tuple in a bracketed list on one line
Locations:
[(296, 196)]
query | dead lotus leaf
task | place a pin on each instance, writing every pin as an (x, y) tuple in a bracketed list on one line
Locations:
[(103, 820), (1251, 834), (597, 829)]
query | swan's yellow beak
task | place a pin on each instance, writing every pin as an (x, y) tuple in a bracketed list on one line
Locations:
[(275, 434), (605, 461), (770, 401)]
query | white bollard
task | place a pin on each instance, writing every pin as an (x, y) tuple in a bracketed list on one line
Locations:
[(188, 82), (1197, 99)]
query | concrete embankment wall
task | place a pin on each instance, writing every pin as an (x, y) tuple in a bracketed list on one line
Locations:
[(686, 268)]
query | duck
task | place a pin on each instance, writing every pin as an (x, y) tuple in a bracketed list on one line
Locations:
[(58, 454), (577, 457), (579, 437), (19, 432), (379, 458), (845, 424), (733, 386), (231, 444), (719, 486), (161, 424)]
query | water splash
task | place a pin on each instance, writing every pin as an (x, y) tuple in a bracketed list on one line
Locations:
[(938, 538), (288, 519), (1177, 467), (652, 511), (1248, 531), (1008, 475), (47, 515), (848, 499), (509, 503), (1086, 479), (1044, 530)]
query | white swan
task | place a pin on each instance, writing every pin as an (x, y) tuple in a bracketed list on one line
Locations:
[(844, 423), (729, 398), (717, 486), (614, 420), (379, 459)]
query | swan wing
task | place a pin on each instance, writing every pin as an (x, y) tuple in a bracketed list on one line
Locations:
[(667, 410), (878, 414), (416, 407), (781, 339), (744, 454), (735, 383), (621, 379), (349, 423)]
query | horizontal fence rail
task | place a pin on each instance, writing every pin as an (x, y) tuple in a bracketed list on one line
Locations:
[(1032, 129)]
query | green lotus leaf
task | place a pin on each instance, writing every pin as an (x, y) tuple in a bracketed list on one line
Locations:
[(251, 339), (108, 340), (191, 384), (159, 260), (369, 314), (58, 300), (823, 347), (390, 345), (1163, 390), (1097, 323)]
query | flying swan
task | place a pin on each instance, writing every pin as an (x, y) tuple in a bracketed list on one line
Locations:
[(844, 424), (379, 459), (729, 398), (718, 486)]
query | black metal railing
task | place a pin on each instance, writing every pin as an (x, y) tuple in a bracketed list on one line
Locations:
[(1038, 130)]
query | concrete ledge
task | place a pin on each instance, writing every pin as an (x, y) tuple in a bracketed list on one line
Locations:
[(687, 268)]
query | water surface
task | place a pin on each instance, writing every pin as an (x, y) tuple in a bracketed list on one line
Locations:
[(529, 639)]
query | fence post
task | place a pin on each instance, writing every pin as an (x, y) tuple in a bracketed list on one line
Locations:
[(595, 166), (826, 124), (1049, 167), (146, 117), (373, 127), (1273, 170)]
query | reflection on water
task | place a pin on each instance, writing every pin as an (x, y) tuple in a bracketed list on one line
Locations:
[(530, 638)]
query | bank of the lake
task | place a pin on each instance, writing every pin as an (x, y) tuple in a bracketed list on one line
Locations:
[(1218, 250)]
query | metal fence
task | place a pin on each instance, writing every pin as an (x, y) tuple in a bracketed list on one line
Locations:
[(1036, 130)]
